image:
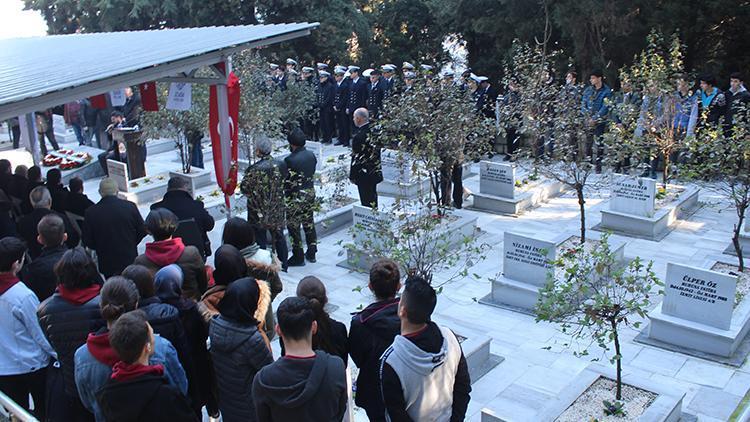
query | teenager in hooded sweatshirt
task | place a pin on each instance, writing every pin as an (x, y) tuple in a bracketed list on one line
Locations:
[(371, 332), (137, 390), (238, 349), (423, 374), (95, 359), (165, 249), (24, 351), (330, 335), (168, 284), (304, 385)]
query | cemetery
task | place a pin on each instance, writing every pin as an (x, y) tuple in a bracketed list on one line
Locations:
[(578, 288)]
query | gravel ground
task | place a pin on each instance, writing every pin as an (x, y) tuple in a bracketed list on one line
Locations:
[(743, 285), (589, 405)]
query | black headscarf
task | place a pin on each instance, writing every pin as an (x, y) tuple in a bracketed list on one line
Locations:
[(229, 264), (168, 285), (240, 301)]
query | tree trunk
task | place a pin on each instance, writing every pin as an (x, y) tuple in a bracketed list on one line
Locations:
[(736, 241), (665, 175), (618, 360), (582, 206)]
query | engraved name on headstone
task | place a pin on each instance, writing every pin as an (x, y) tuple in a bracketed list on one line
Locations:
[(636, 196), (527, 259), (699, 295), (497, 179)]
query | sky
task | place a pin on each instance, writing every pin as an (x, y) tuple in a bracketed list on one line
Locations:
[(16, 22)]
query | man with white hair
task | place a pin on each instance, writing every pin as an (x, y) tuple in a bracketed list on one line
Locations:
[(263, 186), (41, 201), (365, 170), (113, 228)]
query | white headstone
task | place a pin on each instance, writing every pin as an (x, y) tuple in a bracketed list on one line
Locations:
[(396, 166), (119, 173), (117, 97), (497, 179), (180, 96), (699, 295), (527, 259), (317, 150), (367, 225), (636, 196)]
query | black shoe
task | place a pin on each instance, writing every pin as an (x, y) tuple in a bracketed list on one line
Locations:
[(310, 256), (296, 261), (340, 143)]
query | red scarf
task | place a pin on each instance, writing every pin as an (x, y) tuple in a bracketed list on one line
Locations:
[(100, 349), (165, 252), (125, 371), (7, 280), (78, 296)]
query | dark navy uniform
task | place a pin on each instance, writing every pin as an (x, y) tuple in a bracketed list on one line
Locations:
[(375, 95), (326, 93), (340, 102)]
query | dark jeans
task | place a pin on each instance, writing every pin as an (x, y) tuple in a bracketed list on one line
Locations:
[(368, 194), (51, 137), (301, 213), (278, 240), (596, 137), (18, 387), (15, 133), (78, 130), (196, 155), (343, 126), (454, 180)]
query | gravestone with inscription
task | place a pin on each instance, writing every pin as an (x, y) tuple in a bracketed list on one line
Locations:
[(119, 173), (527, 259), (399, 177), (503, 191), (699, 295), (635, 196), (497, 179), (699, 315)]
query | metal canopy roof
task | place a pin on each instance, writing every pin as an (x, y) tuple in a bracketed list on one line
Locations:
[(39, 72)]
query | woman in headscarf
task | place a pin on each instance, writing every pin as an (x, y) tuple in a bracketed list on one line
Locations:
[(331, 335), (229, 266), (168, 286), (238, 349), (261, 264)]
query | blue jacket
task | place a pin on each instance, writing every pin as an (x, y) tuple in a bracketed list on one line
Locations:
[(595, 102), (91, 373), (686, 112), (23, 346)]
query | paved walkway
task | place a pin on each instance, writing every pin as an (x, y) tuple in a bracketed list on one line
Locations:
[(530, 375)]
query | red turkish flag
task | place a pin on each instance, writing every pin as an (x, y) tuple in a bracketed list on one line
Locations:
[(149, 100), (227, 183), (99, 101)]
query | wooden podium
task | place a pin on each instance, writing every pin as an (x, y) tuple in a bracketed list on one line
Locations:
[(134, 150)]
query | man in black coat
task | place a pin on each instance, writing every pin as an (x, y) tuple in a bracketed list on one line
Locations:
[(38, 274), (326, 93), (57, 191), (77, 201), (34, 176), (375, 94), (365, 170), (357, 94), (340, 102), (300, 196), (181, 203), (487, 96), (263, 185), (738, 99), (389, 79), (114, 228), (41, 201)]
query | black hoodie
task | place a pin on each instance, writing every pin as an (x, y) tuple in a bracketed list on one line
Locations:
[(146, 398), (301, 389), (370, 333)]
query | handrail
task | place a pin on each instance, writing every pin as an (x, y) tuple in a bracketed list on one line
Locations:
[(17, 412)]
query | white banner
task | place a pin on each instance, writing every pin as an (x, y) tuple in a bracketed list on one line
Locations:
[(180, 96), (117, 97)]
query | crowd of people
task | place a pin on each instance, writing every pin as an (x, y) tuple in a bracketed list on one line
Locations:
[(92, 330)]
